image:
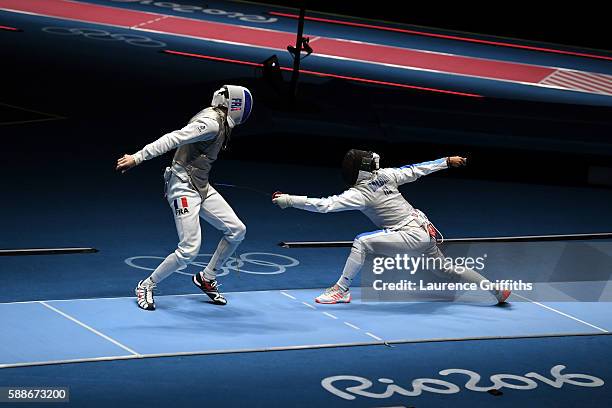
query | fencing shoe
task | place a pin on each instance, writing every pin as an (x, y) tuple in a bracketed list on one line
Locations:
[(210, 287), (335, 294), (144, 296)]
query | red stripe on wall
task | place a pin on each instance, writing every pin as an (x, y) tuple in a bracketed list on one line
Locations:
[(444, 36), (455, 64), (324, 74)]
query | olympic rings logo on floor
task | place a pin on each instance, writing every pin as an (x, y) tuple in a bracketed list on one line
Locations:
[(102, 35), (242, 264), (186, 8)]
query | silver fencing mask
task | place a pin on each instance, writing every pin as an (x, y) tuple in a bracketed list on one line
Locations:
[(237, 100)]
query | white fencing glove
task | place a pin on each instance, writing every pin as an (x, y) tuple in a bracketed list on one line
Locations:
[(286, 200)]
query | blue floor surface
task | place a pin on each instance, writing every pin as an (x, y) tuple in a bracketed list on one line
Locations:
[(264, 320), (295, 378)]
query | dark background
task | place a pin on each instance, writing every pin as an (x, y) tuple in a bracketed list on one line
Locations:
[(582, 24), (116, 101)]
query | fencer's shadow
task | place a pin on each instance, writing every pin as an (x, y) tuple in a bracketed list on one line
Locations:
[(505, 305), (418, 308), (198, 312), (194, 313)]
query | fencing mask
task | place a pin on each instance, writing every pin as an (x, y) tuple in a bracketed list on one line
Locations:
[(237, 100), (358, 165)]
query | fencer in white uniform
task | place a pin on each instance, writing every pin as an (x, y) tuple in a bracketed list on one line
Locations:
[(189, 194), (403, 229)]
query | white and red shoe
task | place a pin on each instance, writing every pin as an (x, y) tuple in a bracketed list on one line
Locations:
[(335, 294), (144, 296), (502, 296), (210, 287)]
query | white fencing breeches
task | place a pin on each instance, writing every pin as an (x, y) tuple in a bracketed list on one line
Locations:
[(188, 207), (413, 241)]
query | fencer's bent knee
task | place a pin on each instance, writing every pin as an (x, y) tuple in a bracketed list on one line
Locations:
[(187, 254), (358, 244), (236, 233)]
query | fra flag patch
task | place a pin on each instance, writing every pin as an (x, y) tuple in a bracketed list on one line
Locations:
[(181, 206)]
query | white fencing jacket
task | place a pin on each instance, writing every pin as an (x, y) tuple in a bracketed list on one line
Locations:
[(378, 197)]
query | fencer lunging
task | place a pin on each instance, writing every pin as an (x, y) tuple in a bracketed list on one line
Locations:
[(189, 194), (404, 229)]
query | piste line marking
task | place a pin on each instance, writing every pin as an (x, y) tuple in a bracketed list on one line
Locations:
[(352, 326)]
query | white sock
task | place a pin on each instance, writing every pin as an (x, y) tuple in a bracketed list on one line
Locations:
[(353, 265), (166, 268), (224, 250)]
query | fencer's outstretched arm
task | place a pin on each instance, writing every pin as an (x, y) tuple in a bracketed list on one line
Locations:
[(200, 130), (410, 173), (351, 199)]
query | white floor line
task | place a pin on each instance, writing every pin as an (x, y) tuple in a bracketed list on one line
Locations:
[(309, 305), (288, 295), (133, 296), (91, 329), (302, 347), (373, 336), (561, 313), (352, 325), (72, 361), (333, 317), (148, 22)]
